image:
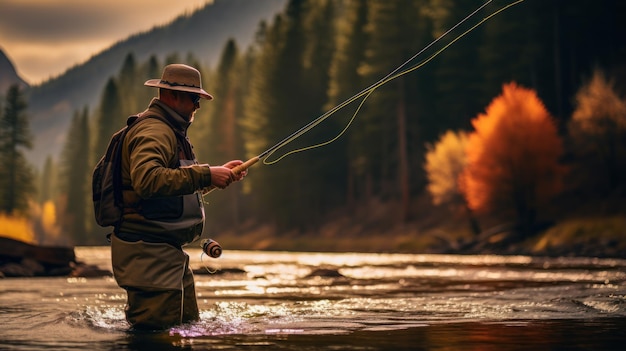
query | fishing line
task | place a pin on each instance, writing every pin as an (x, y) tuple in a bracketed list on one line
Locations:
[(365, 93), (206, 265)]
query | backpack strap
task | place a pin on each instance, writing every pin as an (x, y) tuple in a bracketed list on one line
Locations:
[(185, 151)]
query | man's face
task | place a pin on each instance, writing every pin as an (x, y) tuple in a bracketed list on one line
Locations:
[(187, 104)]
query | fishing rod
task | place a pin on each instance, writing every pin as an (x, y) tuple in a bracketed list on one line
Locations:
[(366, 93)]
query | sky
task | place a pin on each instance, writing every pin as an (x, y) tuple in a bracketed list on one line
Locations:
[(43, 38)]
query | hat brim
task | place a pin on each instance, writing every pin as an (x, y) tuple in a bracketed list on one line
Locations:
[(158, 83)]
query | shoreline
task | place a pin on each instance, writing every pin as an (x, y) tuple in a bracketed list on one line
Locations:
[(602, 237)]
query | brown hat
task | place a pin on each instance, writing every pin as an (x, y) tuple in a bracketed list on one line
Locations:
[(182, 78)]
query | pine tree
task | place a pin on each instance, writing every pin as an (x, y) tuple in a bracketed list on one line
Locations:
[(298, 57), (149, 70), (252, 102), (128, 79), (345, 81), (75, 172), (457, 78), (109, 118), (222, 137), (325, 175), (47, 181), (16, 175), (394, 111), (264, 115), (511, 49)]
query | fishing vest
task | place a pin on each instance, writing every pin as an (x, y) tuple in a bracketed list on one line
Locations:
[(177, 220)]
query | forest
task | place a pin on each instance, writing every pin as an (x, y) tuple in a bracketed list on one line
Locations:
[(521, 120)]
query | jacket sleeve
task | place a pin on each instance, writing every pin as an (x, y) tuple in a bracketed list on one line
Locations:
[(153, 163)]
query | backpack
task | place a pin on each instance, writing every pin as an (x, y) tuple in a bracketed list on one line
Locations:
[(107, 176)]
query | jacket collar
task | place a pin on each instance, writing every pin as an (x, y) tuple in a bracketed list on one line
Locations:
[(158, 107)]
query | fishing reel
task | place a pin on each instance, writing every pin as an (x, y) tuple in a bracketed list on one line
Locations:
[(212, 248)]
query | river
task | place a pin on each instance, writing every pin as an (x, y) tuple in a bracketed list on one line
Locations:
[(338, 301)]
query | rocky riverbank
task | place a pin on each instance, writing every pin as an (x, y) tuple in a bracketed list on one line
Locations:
[(20, 259)]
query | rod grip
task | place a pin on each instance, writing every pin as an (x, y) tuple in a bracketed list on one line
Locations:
[(242, 167), (237, 170)]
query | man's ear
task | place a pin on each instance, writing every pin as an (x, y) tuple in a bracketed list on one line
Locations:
[(168, 96), (178, 95)]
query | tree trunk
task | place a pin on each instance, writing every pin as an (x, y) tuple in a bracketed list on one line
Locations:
[(403, 162), (473, 222)]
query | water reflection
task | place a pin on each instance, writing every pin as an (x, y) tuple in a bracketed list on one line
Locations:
[(301, 301)]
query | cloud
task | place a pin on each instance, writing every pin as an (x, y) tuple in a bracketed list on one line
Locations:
[(45, 37)]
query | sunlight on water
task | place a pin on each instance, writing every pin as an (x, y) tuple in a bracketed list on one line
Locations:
[(237, 318), (102, 317), (257, 295)]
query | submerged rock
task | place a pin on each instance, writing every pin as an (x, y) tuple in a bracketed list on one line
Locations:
[(209, 270), (325, 273), (83, 270)]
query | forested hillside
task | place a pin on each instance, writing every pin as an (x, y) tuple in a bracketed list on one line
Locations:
[(376, 177), (201, 33), (8, 75)]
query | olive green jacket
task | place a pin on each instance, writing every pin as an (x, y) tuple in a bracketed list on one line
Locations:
[(162, 190)]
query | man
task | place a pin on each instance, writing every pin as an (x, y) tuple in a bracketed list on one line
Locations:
[(163, 210)]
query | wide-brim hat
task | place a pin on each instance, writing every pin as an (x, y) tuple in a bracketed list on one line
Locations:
[(182, 78)]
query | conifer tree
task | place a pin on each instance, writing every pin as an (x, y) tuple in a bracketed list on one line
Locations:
[(298, 105), (47, 181), (108, 120), (222, 137), (16, 175), (260, 100), (173, 57), (345, 81), (264, 115), (75, 176), (511, 51), (457, 91), (396, 29), (325, 175), (255, 104), (149, 70), (129, 85)]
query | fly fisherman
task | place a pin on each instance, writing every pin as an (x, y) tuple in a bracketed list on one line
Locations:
[(163, 210)]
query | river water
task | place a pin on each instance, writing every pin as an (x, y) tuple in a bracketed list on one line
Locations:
[(338, 301)]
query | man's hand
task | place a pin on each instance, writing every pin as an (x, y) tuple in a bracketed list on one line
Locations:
[(234, 163), (222, 176)]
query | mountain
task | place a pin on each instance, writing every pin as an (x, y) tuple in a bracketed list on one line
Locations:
[(8, 75), (203, 33)]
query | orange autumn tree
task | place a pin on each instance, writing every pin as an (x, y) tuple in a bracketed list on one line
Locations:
[(513, 158)]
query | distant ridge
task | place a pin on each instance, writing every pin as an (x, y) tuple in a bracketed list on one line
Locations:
[(203, 33), (8, 74)]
